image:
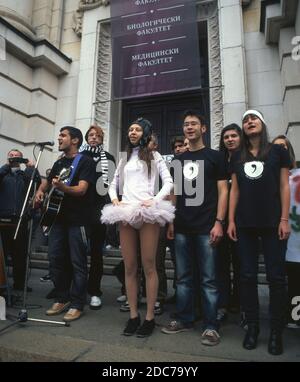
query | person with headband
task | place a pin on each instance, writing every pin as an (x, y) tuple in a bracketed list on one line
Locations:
[(259, 208), (140, 214), (292, 257)]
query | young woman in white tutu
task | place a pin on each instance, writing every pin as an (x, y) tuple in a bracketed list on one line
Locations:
[(140, 213)]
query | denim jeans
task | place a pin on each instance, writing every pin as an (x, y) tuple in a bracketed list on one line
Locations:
[(194, 255), (274, 255), (68, 250)]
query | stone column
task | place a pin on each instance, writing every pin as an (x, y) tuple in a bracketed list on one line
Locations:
[(289, 53), (232, 60), (19, 14)]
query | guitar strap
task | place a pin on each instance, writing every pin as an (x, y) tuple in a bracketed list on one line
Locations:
[(74, 167)]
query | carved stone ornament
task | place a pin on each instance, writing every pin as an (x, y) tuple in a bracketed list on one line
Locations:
[(215, 74), (85, 5)]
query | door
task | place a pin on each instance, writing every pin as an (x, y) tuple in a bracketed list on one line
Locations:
[(165, 114)]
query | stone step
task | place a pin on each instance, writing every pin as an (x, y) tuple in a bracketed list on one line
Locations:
[(43, 250), (112, 257), (108, 270)]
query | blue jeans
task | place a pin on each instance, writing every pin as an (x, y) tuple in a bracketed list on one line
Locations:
[(194, 255), (274, 255), (68, 250)]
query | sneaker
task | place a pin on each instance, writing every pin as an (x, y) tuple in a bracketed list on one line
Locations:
[(146, 329), (125, 307), (122, 298), (210, 337), (72, 315), (57, 308), (95, 303), (132, 326), (176, 327), (45, 278), (158, 308)]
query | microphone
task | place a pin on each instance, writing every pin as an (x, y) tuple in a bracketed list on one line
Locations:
[(47, 143)]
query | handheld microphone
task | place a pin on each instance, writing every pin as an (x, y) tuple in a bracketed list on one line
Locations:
[(47, 143)]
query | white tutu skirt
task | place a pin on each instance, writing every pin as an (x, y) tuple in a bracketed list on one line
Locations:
[(135, 214)]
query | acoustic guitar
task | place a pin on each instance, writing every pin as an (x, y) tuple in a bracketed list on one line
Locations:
[(52, 203)]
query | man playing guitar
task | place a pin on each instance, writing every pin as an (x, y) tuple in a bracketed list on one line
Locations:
[(68, 237)]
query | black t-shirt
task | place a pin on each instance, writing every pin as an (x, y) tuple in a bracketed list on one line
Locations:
[(198, 218), (259, 202), (76, 210)]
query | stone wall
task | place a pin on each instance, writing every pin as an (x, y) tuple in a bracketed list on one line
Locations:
[(68, 84), (39, 77), (263, 71), (53, 68), (233, 60), (29, 81), (290, 77)]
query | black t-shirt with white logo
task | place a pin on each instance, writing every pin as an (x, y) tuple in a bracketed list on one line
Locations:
[(259, 202), (76, 210), (200, 171)]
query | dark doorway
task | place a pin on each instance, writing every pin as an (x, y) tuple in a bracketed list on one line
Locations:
[(165, 114)]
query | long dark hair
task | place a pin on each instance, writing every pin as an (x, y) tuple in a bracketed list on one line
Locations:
[(264, 145), (144, 154), (232, 126)]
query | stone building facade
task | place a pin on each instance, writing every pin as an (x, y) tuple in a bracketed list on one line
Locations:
[(56, 69)]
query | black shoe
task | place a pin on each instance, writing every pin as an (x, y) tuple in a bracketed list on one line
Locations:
[(51, 294), (275, 346), (158, 308), (132, 325), (250, 340), (146, 329)]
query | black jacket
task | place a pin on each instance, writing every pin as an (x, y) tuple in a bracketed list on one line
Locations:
[(13, 188)]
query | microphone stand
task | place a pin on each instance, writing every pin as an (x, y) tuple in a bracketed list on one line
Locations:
[(23, 316)]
